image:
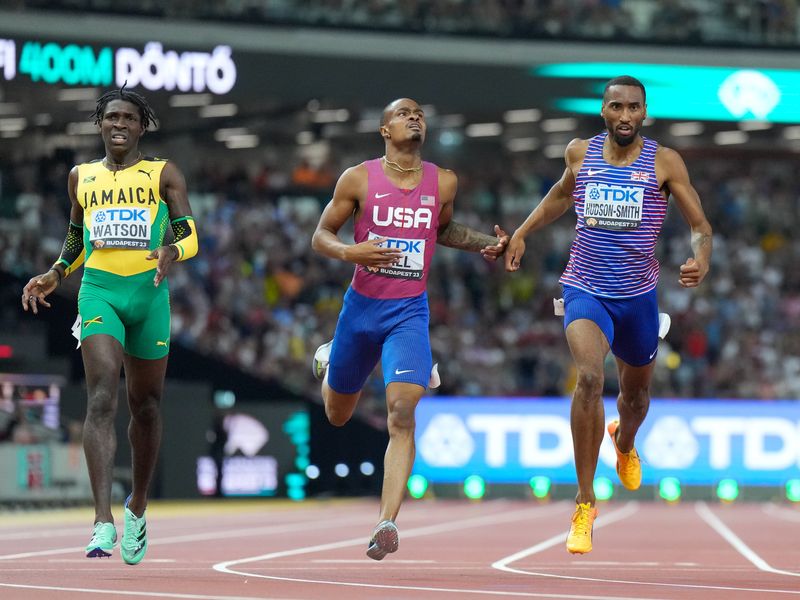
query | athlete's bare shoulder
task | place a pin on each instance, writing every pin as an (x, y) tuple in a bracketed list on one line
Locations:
[(666, 153), (574, 154), (446, 175), (352, 184), (578, 145), (576, 150), (448, 184), (72, 178), (355, 172), (669, 162), (171, 174)]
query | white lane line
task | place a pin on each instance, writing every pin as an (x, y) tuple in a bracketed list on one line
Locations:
[(83, 561), (44, 533), (561, 538), (468, 522), (781, 513), (134, 593), (204, 597), (368, 561), (717, 525), (502, 564), (322, 523), (461, 524)]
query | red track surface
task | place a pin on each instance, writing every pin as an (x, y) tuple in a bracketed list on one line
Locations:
[(448, 549)]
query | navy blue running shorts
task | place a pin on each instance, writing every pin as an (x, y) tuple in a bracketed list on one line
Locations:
[(394, 331), (629, 324)]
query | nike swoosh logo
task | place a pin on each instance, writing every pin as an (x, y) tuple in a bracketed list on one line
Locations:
[(653, 354), (378, 196), (592, 173), (399, 372)]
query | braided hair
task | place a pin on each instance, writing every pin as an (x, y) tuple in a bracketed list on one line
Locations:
[(146, 113)]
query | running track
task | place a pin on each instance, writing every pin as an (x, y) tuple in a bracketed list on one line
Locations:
[(448, 550)]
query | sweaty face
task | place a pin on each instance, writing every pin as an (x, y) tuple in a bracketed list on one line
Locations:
[(404, 120), (624, 112), (121, 126)]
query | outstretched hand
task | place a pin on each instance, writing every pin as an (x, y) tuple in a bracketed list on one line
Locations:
[(165, 255), (371, 254), (692, 273), (495, 251), (514, 253), (37, 289)]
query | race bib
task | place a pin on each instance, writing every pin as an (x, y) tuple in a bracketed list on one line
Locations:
[(120, 228), (612, 206), (411, 264)]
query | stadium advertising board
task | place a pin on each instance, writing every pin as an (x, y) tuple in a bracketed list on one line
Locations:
[(263, 451), (698, 441), (687, 92)]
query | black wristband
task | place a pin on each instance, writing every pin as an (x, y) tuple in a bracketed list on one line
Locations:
[(58, 273)]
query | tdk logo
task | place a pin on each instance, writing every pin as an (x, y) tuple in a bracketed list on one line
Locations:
[(401, 216), (603, 192), (410, 246), (712, 443), (120, 215)]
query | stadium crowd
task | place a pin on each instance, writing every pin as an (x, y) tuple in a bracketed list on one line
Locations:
[(758, 23), (257, 297)]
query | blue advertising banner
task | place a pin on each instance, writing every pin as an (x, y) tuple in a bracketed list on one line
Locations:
[(699, 441)]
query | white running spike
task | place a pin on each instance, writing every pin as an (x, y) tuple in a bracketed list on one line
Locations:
[(664, 322), (435, 381), (322, 358)]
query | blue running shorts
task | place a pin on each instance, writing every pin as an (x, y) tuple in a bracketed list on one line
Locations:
[(394, 331), (629, 324)]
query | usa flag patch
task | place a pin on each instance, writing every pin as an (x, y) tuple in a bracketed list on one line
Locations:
[(640, 176), (427, 200)]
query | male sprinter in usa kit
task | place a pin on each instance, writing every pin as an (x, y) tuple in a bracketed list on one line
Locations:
[(402, 207)]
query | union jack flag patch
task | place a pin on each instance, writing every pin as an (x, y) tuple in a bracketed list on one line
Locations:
[(640, 176), (427, 200)]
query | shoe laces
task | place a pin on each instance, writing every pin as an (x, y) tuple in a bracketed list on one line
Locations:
[(96, 533), (629, 460), (632, 456), (583, 518), (133, 524)]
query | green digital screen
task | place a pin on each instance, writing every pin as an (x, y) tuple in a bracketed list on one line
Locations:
[(155, 67), (688, 92)]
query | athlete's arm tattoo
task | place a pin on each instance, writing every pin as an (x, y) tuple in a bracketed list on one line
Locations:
[(72, 253), (185, 242), (456, 235)]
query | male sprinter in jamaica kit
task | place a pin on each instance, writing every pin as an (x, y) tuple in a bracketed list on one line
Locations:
[(402, 207), (619, 184), (121, 206)]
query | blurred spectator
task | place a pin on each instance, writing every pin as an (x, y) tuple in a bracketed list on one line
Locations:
[(755, 22)]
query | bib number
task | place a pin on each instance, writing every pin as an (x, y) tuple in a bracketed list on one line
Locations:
[(120, 228), (411, 264)]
